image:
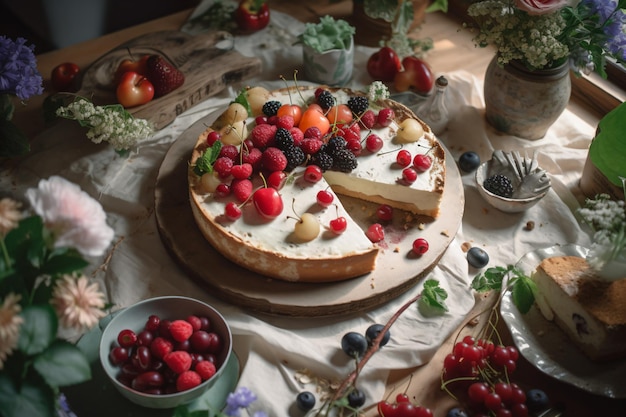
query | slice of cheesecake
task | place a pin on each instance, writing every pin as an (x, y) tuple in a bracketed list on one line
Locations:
[(592, 312)]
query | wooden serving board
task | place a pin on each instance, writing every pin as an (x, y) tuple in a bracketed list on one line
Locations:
[(396, 271), (207, 60)]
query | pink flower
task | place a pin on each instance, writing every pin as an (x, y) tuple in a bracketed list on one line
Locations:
[(10, 322), (539, 7), (10, 215), (74, 218), (78, 303)]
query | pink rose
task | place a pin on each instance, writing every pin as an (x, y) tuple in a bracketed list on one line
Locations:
[(539, 7)]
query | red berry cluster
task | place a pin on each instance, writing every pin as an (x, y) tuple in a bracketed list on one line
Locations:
[(403, 407), (167, 356), (481, 370), (421, 163)]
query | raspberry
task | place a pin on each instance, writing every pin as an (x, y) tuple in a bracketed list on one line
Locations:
[(253, 157), (178, 361), (368, 119), (230, 151), (297, 135), (262, 136), (313, 132), (286, 122), (349, 134), (311, 146), (241, 171), (160, 347), (271, 107), (500, 185), (180, 330), (241, 189), (223, 165), (188, 380), (358, 104), (206, 369), (273, 159)]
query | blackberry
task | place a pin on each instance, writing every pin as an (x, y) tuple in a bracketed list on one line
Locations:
[(283, 138), (344, 161), (358, 104), (295, 157), (499, 185), (322, 160), (334, 144), (326, 100), (270, 108)]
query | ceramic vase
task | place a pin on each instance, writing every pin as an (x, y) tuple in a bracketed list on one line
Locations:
[(525, 103), (332, 67)]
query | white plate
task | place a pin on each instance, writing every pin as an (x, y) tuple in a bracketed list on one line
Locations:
[(545, 346)]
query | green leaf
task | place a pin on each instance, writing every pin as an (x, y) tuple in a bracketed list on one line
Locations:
[(523, 293), (50, 106), (64, 262), (31, 400), (63, 364), (205, 162), (433, 295), (242, 99), (38, 330), (438, 5), (489, 280), (183, 411), (13, 142)]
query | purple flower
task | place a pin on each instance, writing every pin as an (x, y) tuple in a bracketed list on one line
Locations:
[(18, 69), (241, 398)]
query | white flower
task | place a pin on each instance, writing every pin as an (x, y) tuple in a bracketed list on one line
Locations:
[(78, 303), (10, 215), (10, 322), (75, 219), (377, 91)]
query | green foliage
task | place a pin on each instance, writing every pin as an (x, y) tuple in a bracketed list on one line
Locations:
[(433, 297), (327, 34), (205, 162), (521, 286)]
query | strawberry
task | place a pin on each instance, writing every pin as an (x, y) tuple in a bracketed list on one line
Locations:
[(180, 330), (178, 361), (164, 76), (187, 380), (274, 159), (206, 369)]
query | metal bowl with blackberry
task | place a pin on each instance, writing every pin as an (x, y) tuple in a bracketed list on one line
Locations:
[(511, 182)]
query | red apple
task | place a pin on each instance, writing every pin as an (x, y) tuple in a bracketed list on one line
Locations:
[(416, 74), (63, 76), (384, 64), (131, 65), (134, 89)]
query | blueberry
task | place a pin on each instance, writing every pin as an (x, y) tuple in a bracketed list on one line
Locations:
[(356, 398), (456, 412), (305, 400), (469, 161), (477, 257), (373, 331), (536, 400), (354, 344)]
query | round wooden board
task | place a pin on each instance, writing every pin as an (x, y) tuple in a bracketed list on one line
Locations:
[(397, 269)]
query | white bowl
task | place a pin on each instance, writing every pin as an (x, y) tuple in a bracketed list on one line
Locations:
[(508, 205), (167, 308)]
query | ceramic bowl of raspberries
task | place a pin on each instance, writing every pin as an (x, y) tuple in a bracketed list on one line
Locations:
[(166, 351), (512, 182)]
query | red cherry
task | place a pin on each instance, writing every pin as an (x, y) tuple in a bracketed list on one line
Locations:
[(402, 398), (422, 162), (409, 175), (213, 137), (386, 409), (384, 212), (126, 338), (420, 247), (232, 211), (313, 173), (386, 116), (338, 225), (375, 233), (268, 202), (325, 198), (422, 412), (222, 190), (373, 143), (403, 158), (276, 179)]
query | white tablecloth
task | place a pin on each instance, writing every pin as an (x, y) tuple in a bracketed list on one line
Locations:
[(272, 349)]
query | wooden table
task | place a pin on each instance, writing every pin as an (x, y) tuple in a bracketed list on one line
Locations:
[(453, 50)]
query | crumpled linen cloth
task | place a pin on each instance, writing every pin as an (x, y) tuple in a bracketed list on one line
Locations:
[(272, 349)]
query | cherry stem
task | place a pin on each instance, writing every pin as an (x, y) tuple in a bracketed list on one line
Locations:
[(350, 379)]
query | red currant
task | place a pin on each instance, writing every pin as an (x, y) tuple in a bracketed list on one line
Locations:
[(420, 247), (409, 175), (222, 190), (477, 392), (402, 398), (373, 143), (276, 179), (338, 225), (384, 212), (212, 137), (232, 211), (313, 173), (324, 198), (375, 233)]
